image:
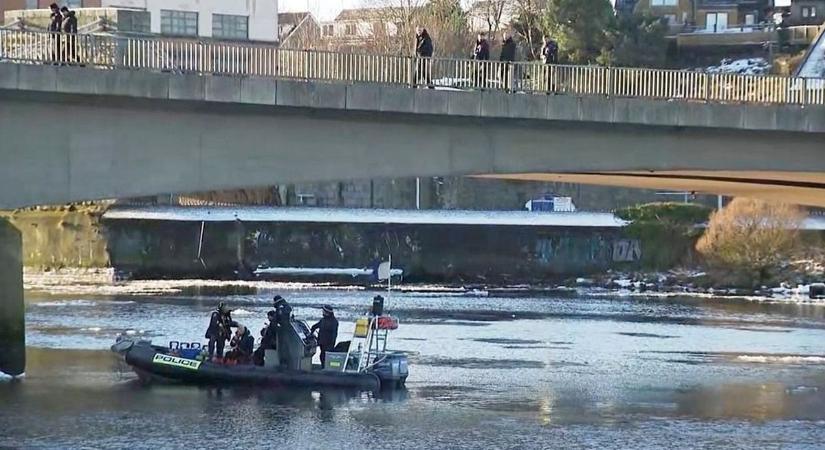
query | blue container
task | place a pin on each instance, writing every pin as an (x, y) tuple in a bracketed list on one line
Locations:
[(189, 353)]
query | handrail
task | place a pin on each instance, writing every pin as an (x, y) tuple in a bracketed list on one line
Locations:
[(253, 59)]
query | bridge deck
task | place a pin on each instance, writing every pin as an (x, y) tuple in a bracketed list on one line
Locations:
[(220, 58)]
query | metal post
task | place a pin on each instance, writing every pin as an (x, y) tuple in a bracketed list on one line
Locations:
[(417, 193), (719, 202)]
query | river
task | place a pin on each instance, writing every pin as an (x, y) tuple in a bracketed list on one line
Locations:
[(486, 372)]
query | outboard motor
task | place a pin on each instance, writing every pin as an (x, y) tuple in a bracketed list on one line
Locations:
[(817, 291), (296, 345)]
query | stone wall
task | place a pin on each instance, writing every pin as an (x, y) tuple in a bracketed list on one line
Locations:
[(433, 253)]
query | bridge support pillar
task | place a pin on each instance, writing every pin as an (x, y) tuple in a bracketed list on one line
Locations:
[(12, 309)]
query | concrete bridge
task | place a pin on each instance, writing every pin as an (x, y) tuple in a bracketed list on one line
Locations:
[(130, 123)]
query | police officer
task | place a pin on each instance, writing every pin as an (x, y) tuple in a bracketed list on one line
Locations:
[(219, 330), (327, 332)]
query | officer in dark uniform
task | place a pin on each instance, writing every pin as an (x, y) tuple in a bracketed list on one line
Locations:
[(327, 332), (219, 330)]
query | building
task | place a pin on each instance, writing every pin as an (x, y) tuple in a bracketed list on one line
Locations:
[(255, 20), (801, 12), (361, 25), (708, 16), (298, 30)]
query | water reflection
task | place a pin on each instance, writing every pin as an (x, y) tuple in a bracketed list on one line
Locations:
[(520, 372)]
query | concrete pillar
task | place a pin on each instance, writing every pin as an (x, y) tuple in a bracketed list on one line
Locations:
[(12, 310)]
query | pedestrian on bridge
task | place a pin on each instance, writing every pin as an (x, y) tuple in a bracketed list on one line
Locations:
[(423, 51), (55, 27), (481, 54), (69, 26), (507, 57)]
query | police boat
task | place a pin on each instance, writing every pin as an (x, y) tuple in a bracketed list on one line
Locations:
[(363, 363)]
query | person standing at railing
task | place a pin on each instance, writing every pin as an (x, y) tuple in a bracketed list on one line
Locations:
[(550, 55), (507, 57), (424, 51), (55, 27), (70, 34), (481, 53)]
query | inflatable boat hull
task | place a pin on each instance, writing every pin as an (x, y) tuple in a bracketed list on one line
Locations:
[(153, 363)]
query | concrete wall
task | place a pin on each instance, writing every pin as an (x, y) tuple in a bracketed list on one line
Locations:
[(12, 309), (443, 253), (127, 134), (263, 14)]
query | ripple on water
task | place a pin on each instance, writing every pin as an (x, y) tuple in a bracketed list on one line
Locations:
[(480, 363)]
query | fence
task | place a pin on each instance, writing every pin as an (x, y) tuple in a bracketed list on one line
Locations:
[(250, 59)]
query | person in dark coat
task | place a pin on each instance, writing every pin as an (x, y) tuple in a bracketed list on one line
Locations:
[(482, 49), (508, 55), (481, 53), (55, 27), (327, 332), (269, 339), (70, 31), (242, 346), (550, 55), (219, 330), (550, 51), (423, 49)]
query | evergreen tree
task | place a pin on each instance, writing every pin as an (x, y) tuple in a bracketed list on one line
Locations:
[(580, 27), (636, 41)]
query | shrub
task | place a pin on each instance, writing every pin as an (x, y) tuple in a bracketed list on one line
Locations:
[(667, 231), (750, 240)]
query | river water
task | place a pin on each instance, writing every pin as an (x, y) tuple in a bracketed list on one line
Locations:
[(486, 372)]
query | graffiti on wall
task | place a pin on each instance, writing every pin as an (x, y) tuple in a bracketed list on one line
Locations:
[(590, 250), (627, 250)]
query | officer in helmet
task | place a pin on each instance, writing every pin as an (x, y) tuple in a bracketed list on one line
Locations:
[(219, 330)]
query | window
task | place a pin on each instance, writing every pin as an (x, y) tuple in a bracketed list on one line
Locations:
[(329, 30), (180, 23), (134, 21), (664, 2), (350, 30), (74, 4), (808, 11), (230, 27), (31, 4), (670, 19)]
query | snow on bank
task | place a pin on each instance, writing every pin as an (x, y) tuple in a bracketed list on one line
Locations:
[(345, 215), (747, 66)]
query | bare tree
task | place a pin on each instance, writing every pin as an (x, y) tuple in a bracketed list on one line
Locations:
[(527, 24)]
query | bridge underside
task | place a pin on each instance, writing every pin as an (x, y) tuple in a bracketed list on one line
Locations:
[(59, 148), (789, 187)]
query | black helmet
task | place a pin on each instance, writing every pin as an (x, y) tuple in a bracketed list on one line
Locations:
[(327, 309), (222, 307)]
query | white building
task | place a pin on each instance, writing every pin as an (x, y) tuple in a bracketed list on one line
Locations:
[(255, 20)]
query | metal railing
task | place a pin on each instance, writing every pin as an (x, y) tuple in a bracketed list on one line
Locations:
[(250, 59)]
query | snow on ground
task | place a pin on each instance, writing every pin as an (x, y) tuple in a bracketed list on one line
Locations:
[(814, 65), (342, 215), (747, 66)]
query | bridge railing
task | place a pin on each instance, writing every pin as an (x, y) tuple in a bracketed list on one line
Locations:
[(251, 59)]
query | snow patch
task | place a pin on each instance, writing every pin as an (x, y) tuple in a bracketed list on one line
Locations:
[(747, 66), (348, 215), (769, 359)]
